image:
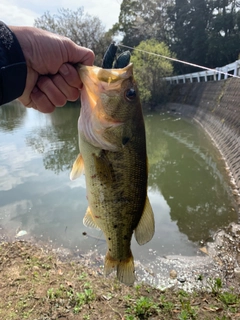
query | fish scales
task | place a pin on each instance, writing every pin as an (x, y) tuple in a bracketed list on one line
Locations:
[(114, 203), (113, 153)]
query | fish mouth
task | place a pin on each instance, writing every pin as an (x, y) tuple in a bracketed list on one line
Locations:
[(97, 80), (98, 83)]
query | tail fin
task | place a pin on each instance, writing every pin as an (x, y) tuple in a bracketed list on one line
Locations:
[(125, 268)]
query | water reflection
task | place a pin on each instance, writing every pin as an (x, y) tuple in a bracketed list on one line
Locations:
[(57, 142), (12, 116), (179, 168), (188, 177), (187, 185)]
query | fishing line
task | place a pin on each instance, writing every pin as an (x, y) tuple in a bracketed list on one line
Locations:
[(181, 61)]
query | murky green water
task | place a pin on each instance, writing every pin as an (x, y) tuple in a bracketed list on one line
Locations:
[(188, 188)]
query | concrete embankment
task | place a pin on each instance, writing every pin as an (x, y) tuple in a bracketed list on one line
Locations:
[(216, 106)]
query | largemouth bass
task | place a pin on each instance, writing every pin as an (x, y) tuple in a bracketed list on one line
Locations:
[(113, 156)]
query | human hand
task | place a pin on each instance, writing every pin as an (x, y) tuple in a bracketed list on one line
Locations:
[(51, 77)]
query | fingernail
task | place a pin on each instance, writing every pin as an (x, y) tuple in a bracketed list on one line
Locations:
[(64, 70)]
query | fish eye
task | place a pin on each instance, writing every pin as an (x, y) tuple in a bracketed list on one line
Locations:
[(130, 94)]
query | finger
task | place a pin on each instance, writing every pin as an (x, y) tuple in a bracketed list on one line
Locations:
[(32, 77), (70, 75), (71, 93), (47, 86), (88, 57), (78, 54), (40, 101)]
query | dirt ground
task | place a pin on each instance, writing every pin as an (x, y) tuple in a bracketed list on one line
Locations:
[(37, 284)]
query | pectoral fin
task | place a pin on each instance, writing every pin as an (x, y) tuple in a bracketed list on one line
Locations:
[(88, 220), (77, 168), (146, 226)]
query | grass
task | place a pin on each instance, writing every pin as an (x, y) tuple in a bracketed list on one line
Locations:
[(37, 286)]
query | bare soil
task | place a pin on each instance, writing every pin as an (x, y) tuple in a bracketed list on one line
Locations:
[(37, 284)]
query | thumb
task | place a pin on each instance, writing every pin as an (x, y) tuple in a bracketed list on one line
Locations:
[(78, 54)]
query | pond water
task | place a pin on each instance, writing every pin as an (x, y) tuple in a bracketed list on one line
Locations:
[(188, 185)]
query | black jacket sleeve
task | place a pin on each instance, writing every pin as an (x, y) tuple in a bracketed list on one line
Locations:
[(13, 69)]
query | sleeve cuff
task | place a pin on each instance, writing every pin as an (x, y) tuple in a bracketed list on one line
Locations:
[(13, 68)]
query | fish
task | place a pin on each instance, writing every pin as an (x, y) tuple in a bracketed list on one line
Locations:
[(113, 157)]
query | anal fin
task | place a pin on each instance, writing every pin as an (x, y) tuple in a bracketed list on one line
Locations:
[(88, 220), (146, 226)]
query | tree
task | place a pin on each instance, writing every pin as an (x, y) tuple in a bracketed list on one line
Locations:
[(80, 27), (224, 34), (190, 20), (149, 70), (205, 32), (140, 20)]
